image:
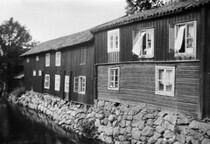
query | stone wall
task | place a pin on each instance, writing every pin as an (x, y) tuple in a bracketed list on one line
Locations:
[(119, 123)]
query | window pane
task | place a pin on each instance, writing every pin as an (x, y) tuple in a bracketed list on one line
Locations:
[(112, 84), (116, 84), (190, 35), (144, 45), (169, 88), (149, 39), (66, 89), (112, 73), (116, 41), (160, 86), (161, 73), (111, 41), (169, 76)]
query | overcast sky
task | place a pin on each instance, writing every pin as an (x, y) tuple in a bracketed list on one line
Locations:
[(49, 19)]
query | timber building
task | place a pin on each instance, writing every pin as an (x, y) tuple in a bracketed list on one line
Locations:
[(62, 67), (160, 57)]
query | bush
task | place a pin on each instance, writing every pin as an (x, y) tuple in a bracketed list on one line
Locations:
[(88, 128)]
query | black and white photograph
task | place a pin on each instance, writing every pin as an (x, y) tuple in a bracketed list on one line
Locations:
[(104, 72)]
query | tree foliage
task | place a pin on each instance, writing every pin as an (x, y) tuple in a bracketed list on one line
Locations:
[(134, 6), (15, 39)]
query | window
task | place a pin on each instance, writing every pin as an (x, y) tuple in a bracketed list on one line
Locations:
[(80, 84), (66, 84), (34, 73), (143, 43), (37, 58), (113, 78), (27, 60), (113, 41), (47, 81), (185, 38), (57, 82), (76, 84), (58, 59), (40, 73), (47, 59), (82, 56), (165, 79)]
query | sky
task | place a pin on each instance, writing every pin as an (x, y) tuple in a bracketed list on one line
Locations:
[(50, 19)]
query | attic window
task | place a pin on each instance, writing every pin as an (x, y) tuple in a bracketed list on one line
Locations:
[(143, 43), (58, 59), (47, 59), (113, 40), (185, 38), (37, 58)]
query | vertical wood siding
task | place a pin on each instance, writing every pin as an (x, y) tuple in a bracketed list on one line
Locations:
[(161, 27), (137, 84), (113, 57), (70, 63), (205, 62)]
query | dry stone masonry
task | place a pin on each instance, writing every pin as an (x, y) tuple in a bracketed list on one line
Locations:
[(119, 123)]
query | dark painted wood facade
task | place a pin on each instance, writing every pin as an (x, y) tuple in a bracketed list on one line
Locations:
[(137, 84), (137, 79), (70, 65)]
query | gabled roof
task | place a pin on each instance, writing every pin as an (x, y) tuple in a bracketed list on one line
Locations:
[(62, 42), (152, 13)]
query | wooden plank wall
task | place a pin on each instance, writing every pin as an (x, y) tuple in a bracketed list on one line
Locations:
[(161, 41), (70, 58), (137, 84), (205, 62)]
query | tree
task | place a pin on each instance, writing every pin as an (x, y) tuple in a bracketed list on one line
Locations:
[(14, 40), (134, 6)]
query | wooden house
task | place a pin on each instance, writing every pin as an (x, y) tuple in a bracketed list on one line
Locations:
[(160, 57), (62, 67)]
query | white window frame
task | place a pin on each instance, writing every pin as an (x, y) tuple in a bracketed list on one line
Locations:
[(27, 60), (113, 81), (147, 32), (82, 85), (114, 44), (34, 72), (164, 81), (58, 58), (45, 81), (185, 37), (37, 58), (66, 83), (47, 60), (57, 82)]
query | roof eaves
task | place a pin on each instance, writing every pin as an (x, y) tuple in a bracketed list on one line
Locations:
[(176, 8)]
